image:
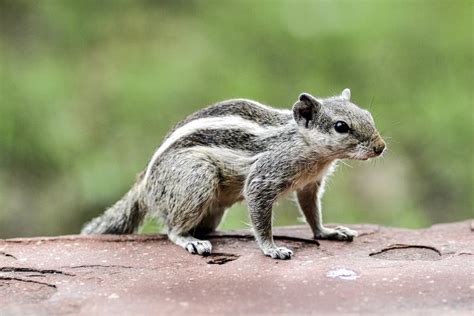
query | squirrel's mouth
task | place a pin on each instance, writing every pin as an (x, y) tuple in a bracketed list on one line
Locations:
[(366, 155), (372, 154)]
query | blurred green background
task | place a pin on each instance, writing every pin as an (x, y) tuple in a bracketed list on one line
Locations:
[(89, 88)]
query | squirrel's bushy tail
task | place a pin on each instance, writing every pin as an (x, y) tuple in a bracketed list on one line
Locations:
[(123, 217)]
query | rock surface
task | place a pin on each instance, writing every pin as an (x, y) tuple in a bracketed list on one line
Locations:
[(384, 271)]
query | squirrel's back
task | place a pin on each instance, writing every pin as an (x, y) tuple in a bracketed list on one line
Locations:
[(246, 109), (238, 124)]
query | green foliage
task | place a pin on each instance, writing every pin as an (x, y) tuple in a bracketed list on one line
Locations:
[(88, 89)]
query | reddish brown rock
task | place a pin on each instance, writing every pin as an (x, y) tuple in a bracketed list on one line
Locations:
[(385, 270)]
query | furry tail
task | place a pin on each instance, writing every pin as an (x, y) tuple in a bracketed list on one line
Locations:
[(123, 217)]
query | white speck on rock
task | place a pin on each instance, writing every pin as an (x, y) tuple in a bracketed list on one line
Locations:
[(113, 296), (343, 274)]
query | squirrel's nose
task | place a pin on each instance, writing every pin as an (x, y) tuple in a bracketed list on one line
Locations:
[(379, 148)]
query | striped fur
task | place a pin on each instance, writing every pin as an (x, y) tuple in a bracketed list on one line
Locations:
[(231, 122)]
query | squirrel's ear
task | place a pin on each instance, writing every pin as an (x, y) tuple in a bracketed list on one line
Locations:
[(306, 109), (346, 94)]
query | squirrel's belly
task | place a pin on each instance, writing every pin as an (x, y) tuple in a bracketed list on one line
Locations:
[(229, 195), (234, 166)]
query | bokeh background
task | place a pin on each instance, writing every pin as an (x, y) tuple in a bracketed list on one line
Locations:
[(89, 88)]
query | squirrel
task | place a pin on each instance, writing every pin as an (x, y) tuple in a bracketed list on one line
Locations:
[(242, 150)]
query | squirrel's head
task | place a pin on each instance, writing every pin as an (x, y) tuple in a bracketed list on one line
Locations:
[(338, 127)]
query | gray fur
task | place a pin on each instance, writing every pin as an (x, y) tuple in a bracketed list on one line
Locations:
[(240, 149)]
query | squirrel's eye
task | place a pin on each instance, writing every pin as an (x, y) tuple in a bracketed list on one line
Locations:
[(341, 127)]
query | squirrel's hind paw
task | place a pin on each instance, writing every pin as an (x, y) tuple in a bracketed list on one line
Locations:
[(279, 253), (200, 247)]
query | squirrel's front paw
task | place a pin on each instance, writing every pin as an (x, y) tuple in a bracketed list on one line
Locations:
[(279, 253), (339, 233)]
